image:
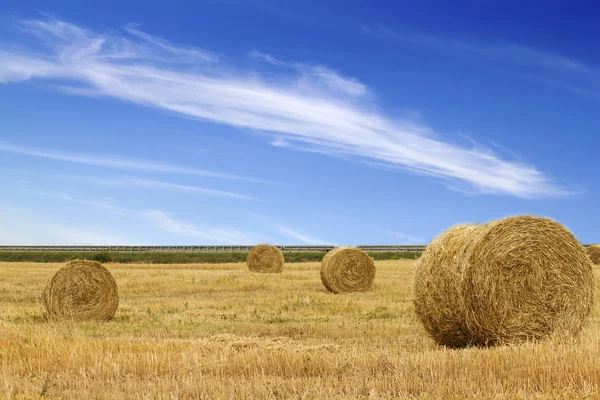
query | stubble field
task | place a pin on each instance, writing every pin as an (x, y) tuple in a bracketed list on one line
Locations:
[(219, 331)]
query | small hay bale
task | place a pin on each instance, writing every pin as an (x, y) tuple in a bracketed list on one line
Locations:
[(437, 286), (82, 290), (265, 258), (593, 252), (526, 278), (347, 269)]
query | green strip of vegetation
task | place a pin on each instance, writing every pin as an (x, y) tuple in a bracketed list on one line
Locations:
[(172, 258)]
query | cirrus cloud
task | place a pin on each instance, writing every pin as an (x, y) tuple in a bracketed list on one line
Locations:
[(315, 108)]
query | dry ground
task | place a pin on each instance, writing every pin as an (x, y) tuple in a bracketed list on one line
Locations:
[(219, 331)]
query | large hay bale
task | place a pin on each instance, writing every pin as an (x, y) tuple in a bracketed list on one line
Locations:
[(347, 269), (82, 290), (593, 252), (512, 280), (437, 286), (526, 278), (265, 258)]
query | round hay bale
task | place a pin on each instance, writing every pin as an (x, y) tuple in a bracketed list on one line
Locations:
[(265, 258), (347, 269), (526, 278), (593, 252), (82, 290), (437, 286)]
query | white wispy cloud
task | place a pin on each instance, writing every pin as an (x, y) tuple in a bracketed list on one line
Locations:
[(83, 235), (16, 68), (317, 75), (129, 164), (21, 228), (554, 69), (129, 182), (296, 235), (165, 221), (190, 54), (283, 229), (320, 109), (405, 238), (168, 223), (105, 204)]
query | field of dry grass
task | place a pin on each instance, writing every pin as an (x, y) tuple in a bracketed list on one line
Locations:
[(219, 331)]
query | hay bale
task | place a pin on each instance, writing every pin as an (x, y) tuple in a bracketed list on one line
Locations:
[(347, 269), (593, 252), (525, 278), (82, 290), (513, 280), (437, 286), (265, 258)]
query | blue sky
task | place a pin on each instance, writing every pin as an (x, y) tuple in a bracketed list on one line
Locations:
[(231, 122)]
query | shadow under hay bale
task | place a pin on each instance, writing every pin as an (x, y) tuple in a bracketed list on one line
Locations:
[(347, 269), (437, 284), (519, 279), (82, 290), (593, 252), (265, 258)]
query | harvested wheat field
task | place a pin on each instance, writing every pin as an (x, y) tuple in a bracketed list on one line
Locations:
[(220, 331)]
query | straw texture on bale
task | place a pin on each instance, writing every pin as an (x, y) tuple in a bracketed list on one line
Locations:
[(82, 290), (513, 280), (524, 279), (593, 252), (347, 269), (437, 286), (265, 258)]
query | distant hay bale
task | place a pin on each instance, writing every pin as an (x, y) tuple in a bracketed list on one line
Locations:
[(347, 269), (593, 252), (437, 285), (516, 279), (82, 290), (265, 258)]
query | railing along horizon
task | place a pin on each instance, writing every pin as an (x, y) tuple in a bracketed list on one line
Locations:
[(208, 249)]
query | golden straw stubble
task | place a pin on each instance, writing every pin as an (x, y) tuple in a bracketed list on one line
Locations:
[(524, 279), (347, 269), (266, 259), (593, 252), (437, 285), (82, 290)]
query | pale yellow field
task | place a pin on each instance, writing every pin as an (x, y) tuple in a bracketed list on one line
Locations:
[(219, 331)]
